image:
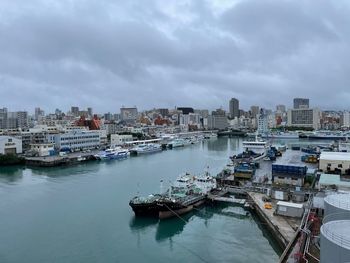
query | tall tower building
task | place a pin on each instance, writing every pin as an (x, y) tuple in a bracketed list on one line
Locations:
[(254, 111), (301, 103), (234, 108), (3, 118)]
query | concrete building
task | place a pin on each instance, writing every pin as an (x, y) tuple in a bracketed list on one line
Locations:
[(120, 139), (77, 140), (10, 145), (3, 118), (262, 122), (90, 112), (328, 181), (281, 108), (337, 162), (345, 119), (218, 122), (306, 118), (39, 113), (289, 209), (190, 119), (254, 110), (128, 114), (43, 149), (234, 108), (301, 103), (75, 111)]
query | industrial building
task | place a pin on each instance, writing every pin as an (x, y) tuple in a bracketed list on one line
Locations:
[(328, 181), (288, 174), (10, 145), (336, 162)]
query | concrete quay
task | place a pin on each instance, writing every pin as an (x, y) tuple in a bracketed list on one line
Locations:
[(51, 161), (282, 228)]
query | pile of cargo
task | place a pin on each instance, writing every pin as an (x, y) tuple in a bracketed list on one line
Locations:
[(292, 170), (309, 158), (244, 170)]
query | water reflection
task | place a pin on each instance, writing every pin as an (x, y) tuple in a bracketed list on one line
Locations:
[(65, 171), (267, 234), (138, 224), (218, 145), (11, 174), (171, 227)]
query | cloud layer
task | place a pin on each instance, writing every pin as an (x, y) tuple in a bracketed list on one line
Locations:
[(110, 53)]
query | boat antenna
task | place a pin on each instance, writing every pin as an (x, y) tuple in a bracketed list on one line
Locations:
[(161, 186), (138, 189)]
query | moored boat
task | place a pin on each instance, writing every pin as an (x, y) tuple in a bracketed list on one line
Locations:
[(146, 148)]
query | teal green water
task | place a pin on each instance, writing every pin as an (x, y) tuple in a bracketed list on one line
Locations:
[(81, 214)]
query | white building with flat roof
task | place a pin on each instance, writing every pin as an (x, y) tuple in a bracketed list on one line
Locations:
[(120, 139), (10, 145), (335, 162), (77, 140), (308, 118)]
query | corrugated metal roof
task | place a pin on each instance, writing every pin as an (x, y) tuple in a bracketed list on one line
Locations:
[(337, 156), (288, 204)]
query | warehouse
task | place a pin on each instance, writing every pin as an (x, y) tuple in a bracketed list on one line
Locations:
[(289, 209), (335, 162), (10, 145)]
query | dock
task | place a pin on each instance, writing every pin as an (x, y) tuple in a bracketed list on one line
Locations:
[(51, 161), (282, 228)]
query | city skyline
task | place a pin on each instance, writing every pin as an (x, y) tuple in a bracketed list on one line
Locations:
[(198, 53)]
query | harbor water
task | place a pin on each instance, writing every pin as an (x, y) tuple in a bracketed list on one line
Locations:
[(81, 213)]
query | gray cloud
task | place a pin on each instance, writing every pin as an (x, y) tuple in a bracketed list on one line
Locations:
[(106, 54)]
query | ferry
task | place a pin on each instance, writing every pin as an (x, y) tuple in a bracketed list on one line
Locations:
[(112, 153), (178, 142), (146, 148), (256, 146)]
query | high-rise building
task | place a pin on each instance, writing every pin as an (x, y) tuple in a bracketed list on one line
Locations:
[(234, 108), (11, 120), (281, 108), (128, 114), (308, 118), (3, 118), (39, 113), (301, 103), (262, 122), (22, 119), (74, 111), (345, 119), (254, 110), (90, 112)]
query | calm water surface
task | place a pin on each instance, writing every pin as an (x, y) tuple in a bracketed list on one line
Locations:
[(81, 213)]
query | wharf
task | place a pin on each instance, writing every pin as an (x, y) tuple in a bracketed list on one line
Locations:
[(51, 161), (282, 228)]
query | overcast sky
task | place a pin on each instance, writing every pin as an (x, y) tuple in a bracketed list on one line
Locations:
[(109, 53)]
